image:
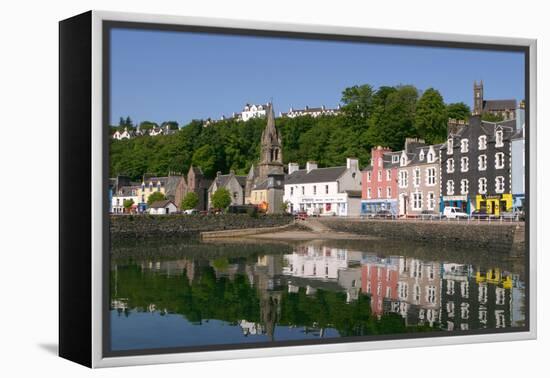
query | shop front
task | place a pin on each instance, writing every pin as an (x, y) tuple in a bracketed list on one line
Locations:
[(462, 202), (373, 206), (495, 204)]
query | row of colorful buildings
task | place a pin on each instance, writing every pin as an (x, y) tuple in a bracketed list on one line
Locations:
[(481, 165)]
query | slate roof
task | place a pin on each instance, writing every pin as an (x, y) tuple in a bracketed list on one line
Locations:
[(126, 191), (222, 180), (492, 105), (301, 176), (161, 204)]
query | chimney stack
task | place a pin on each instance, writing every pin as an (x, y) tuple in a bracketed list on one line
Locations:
[(293, 167), (352, 163), (310, 165)]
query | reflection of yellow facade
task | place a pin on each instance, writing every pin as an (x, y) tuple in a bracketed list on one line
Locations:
[(495, 276), (494, 204)]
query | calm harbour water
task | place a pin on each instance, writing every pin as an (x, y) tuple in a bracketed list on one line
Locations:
[(190, 294)]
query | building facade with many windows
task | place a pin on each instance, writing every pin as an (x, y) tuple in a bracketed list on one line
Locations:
[(475, 166), (379, 183), (418, 178)]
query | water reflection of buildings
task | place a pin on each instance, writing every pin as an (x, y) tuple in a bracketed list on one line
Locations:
[(418, 296), (379, 277), (475, 301)]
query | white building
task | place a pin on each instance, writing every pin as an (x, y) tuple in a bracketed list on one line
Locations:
[(324, 191), (162, 207), (125, 134), (124, 193), (253, 111), (312, 112)]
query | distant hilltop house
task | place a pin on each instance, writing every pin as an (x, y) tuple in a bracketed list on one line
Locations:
[(504, 108), (312, 112), (249, 112), (129, 133)]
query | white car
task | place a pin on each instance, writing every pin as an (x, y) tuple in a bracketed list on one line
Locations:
[(454, 212), (190, 211)]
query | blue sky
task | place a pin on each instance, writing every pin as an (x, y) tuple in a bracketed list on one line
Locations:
[(160, 76)]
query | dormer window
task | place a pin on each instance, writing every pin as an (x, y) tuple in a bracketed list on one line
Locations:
[(464, 145), (482, 142), (395, 158), (403, 160), (421, 155), (431, 157), (450, 146), (150, 186), (499, 139)]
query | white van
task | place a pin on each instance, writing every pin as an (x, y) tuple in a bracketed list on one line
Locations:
[(454, 212)]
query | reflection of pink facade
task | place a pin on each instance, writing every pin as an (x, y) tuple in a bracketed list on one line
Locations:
[(379, 281), (380, 178)]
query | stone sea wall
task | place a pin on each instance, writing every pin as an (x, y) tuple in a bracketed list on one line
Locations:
[(493, 236), (145, 226)]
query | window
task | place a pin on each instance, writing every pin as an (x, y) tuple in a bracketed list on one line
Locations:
[(369, 175), (482, 142), (499, 184), (379, 176), (326, 189), (403, 288), (416, 177), (450, 187), (499, 160), (235, 195), (464, 310), (464, 145), (464, 289), (421, 155), (379, 193), (303, 190), (143, 187), (388, 192), (464, 164), (416, 293), (430, 294), (430, 176), (499, 140), (388, 174), (395, 158), (403, 179), (403, 161), (482, 185), (450, 146), (369, 193), (417, 201), (314, 189), (431, 157), (450, 166), (431, 200), (482, 162), (450, 287), (291, 191), (150, 186), (464, 186)]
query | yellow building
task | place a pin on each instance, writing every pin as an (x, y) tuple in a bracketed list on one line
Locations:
[(258, 197), (495, 276), (495, 204), (173, 187)]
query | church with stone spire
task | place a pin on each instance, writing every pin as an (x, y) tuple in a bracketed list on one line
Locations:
[(265, 182)]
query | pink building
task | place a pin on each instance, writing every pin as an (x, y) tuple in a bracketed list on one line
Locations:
[(379, 183), (379, 280)]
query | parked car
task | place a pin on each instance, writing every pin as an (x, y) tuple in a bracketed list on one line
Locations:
[(428, 214), (481, 214), (454, 213), (384, 214), (190, 211)]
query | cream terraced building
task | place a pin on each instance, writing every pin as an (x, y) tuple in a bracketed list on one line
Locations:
[(418, 178)]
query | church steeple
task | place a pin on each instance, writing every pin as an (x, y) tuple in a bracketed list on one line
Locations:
[(271, 158)]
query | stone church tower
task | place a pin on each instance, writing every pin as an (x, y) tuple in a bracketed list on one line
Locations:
[(478, 98), (271, 156)]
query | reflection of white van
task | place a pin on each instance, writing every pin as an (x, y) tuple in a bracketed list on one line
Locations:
[(454, 212)]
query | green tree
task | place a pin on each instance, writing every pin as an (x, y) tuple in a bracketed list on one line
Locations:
[(205, 157), (458, 110), (127, 203), (190, 201), (357, 100), (221, 198), (147, 125), (156, 196), (431, 117), (490, 117)]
